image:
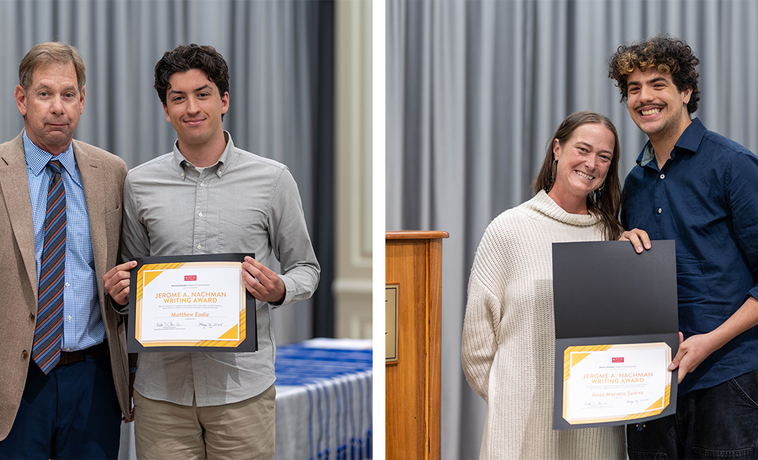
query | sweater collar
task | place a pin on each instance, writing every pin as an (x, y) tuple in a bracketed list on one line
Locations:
[(543, 204)]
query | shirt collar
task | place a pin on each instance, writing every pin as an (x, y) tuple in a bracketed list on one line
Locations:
[(222, 164), (689, 141), (647, 155), (37, 159)]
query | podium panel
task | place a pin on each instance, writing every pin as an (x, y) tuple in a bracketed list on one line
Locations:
[(413, 275)]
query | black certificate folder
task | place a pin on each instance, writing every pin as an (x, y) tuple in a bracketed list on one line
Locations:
[(191, 303), (616, 331)]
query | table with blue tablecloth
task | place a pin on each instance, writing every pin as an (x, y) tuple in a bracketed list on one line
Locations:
[(323, 401)]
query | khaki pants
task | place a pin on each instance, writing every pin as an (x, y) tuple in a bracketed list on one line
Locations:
[(242, 430)]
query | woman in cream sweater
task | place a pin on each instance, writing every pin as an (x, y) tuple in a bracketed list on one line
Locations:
[(509, 331)]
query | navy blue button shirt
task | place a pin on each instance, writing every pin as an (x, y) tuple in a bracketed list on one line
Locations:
[(706, 199)]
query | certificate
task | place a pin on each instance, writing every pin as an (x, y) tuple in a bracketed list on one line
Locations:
[(191, 303), (616, 331), (607, 383)]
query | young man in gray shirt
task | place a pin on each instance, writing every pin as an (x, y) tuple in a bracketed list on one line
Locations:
[(208, 197)]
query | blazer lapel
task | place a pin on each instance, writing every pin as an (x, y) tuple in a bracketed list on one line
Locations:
[(92, 182), (14, 186)]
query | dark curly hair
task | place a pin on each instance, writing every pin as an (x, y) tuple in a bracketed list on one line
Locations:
[(605, 204), (667, 55), (187, 57)]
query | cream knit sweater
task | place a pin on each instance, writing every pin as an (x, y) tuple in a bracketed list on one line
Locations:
[(508, 347)]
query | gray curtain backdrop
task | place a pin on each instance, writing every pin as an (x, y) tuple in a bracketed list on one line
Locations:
[(273, 51), (476, 88)]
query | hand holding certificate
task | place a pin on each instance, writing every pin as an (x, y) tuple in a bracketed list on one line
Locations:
[(191, 303), (616, 326)]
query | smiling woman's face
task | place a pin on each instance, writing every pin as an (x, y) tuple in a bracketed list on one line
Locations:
[(583, 162)]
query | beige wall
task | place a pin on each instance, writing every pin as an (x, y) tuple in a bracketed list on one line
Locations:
[(352, 283)]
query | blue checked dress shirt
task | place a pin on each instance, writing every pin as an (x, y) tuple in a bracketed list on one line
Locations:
[(82, 322)]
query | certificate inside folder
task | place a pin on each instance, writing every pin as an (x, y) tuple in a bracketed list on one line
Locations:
[(191, 303), (616, 330)]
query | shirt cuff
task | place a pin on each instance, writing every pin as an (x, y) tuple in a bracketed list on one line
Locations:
[(289, 289)]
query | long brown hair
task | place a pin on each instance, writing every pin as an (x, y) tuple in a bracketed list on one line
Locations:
[(605, 203)]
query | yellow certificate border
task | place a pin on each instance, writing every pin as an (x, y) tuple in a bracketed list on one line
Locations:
[(229, 339), (582, 352)]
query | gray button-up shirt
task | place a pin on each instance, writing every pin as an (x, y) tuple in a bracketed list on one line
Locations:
[(244, 203)]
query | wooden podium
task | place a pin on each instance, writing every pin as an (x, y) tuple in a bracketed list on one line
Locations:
[(413, 368)]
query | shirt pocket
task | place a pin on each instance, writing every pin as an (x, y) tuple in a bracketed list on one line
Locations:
[(242, 230), (689, 279), (693, 293)]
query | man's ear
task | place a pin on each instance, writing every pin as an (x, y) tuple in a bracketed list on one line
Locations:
[(225, 102), (686, 95), (21, 99), (81, 100)]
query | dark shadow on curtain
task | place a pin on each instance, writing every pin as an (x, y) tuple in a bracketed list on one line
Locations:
[(323, 172)]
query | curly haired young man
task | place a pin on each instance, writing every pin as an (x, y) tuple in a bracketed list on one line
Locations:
[(700, 189)]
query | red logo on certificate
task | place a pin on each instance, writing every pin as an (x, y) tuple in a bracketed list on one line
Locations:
[(190, 277), (617, 360)]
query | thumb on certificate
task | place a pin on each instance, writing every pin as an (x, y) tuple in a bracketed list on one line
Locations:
[(679, 355)]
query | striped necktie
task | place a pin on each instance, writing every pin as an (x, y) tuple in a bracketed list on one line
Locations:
[(48, 335)]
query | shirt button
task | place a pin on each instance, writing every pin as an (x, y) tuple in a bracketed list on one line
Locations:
[(202, 184), (199, 246), (663, 176), (69, 318), (67, 285), (200, 214), (67, 350), (660, 210)]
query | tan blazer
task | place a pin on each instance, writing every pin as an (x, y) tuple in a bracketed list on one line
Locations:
[(103, 178)]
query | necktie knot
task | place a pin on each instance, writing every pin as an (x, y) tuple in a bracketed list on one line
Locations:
[(55, 166)]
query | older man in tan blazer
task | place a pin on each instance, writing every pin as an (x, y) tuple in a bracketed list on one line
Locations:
[(66, 399)]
